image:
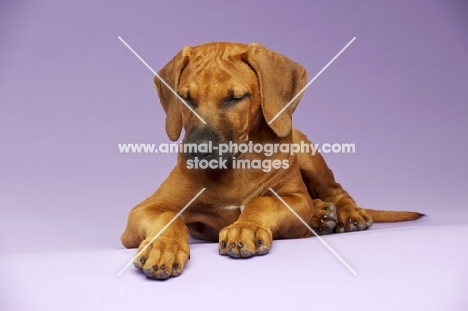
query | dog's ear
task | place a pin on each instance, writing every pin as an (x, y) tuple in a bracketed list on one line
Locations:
[(171, 105), (279, 79)]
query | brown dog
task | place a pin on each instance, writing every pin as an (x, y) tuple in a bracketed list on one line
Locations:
[(236, 89)]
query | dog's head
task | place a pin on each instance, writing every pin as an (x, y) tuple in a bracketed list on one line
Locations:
[(234, 88)]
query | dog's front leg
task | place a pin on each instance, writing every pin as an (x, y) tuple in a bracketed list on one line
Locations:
[(262, 220), (168, 254)]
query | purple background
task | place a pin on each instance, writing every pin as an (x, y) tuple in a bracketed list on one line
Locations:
[(70, 91)]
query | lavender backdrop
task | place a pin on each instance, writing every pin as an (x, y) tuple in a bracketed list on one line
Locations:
[(70, 91)]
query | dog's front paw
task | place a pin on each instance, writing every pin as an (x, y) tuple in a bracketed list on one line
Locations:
[(163, 258), (244, 239), (352, 219)]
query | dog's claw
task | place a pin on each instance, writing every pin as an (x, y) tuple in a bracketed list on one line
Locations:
[(143, 260), (324, 219), (240, 244), (223, 244), (339, 227)]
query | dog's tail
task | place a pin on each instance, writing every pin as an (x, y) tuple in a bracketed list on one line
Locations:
[(392, 216)]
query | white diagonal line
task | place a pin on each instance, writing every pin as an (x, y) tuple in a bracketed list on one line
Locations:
[(159, 233), (310, 82), (312, 230), (164, 82)]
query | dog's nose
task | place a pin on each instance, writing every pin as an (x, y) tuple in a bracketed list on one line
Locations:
[(202, 155), (202, 143)]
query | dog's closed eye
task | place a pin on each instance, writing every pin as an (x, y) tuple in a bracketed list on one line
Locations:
[(186, 97), (232, 99)]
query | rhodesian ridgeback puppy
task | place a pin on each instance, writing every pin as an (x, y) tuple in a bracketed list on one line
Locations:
[(237, 89)]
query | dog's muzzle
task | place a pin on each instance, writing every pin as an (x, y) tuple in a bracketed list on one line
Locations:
[(203, 143)]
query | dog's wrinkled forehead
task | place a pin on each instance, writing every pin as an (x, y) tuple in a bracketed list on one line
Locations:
[(217, 52), (215, 68)]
